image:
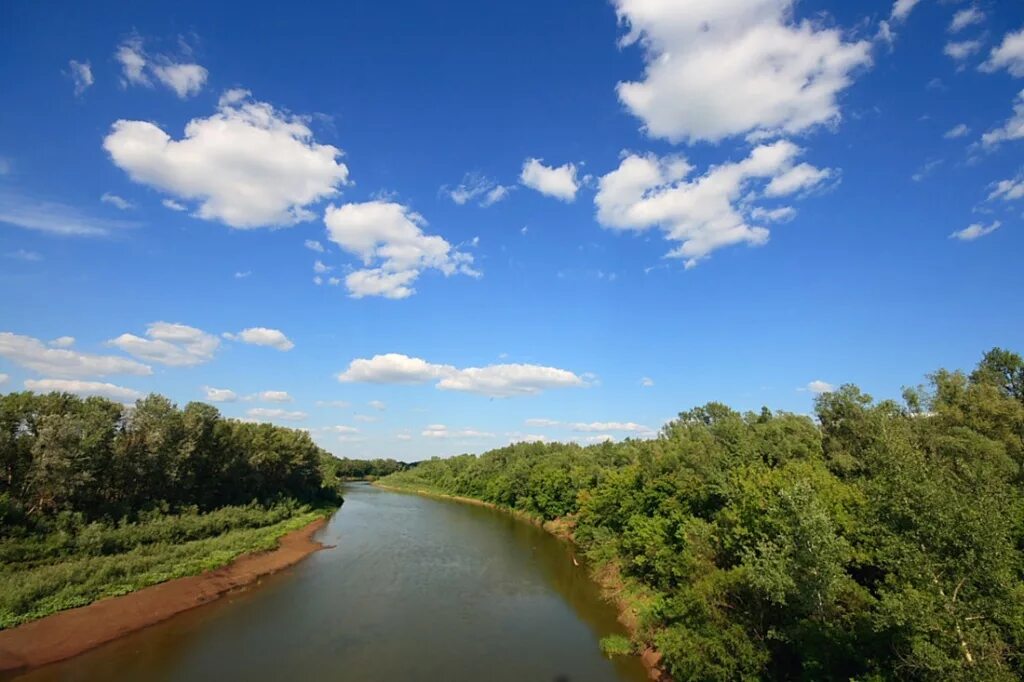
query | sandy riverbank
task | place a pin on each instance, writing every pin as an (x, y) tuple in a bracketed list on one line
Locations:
[(74, 631)]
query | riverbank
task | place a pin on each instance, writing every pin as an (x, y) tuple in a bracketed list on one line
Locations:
[(68, 633), (608, 577)]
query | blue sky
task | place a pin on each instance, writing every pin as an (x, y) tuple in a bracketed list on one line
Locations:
[(533, 219)]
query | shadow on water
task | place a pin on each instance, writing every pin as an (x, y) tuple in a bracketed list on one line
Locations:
[(414, 589)]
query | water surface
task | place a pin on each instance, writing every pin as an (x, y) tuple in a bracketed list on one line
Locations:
[(415, 589)]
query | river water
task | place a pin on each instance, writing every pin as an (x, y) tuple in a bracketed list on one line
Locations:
[(415, 589)]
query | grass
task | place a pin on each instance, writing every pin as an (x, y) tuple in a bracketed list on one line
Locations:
[(40, 575)]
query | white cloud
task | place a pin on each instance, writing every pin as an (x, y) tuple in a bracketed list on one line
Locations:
[(492, 380), (964, 18), (339, 429), (403, 436), (442, 431), (818, 386), (538, 421), (243, 275), (248, 165), (717, 68), (62, 342), (4, 378), (1008, 55), (476, 186), (926, 169), (901, 9), (22, 254), (267, 413), (174, 205), (274, 396), (389, 239), (116, 201), (81, 75), (80, 387), (177, 345), (1012, 129), (796, 179), (1008, 190), (704, 213), (609, 426), (185, 80), (647, 382), (314, 245), (320, 268), (773, 215), (133, 62), (975, 231), (956, 131), (377, 405), (219, 395), (53, 217), (555, 181), (262, 336), (32, 353), (961, 50), (365, 418), (137, 68)]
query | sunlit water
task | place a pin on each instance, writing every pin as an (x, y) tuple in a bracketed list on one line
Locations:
[(414, 589)]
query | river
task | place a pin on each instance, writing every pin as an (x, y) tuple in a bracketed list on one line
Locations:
[(414, 589)]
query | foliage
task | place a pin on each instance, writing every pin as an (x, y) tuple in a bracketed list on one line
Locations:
[(878, 541)]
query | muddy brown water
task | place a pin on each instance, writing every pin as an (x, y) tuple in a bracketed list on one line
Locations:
[(414, 589)]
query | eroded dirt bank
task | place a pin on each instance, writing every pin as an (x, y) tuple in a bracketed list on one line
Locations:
[(74, 631)]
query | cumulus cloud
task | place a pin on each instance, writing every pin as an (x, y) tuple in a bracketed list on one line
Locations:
[(274, 396), (961, 50), (219, 395), (32, 353), (174, 205), (964, 18), (540, 421), (718, 69), (85, 388), (1008, 190), (609, 426), (1008, 55), (389, 239), (818, 386), (1012, 129), (377, 405), (167, 343), (139, 68), (62, 342), (975, 231), (4, 378), (442, 431), (493, 380), (81, 75), (704, 213), (263, 336), (559, 182), (314, 245), (476, 186), (268, 413), (248, 165)]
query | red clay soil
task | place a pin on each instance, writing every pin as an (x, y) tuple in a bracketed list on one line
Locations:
[(69, 633)]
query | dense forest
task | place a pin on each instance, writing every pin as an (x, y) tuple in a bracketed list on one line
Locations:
[(97, 498), (365, 469), (873, 541)]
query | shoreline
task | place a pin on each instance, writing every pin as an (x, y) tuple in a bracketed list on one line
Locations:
[(604, 576), (68, 633)]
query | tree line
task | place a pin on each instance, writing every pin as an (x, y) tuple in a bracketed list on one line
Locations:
[(99, 459), (877, 540)]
